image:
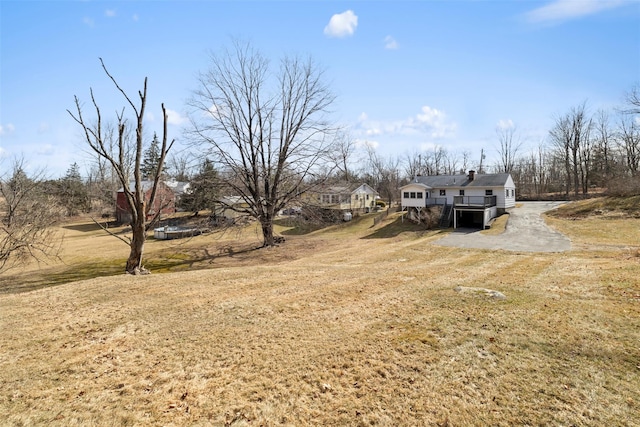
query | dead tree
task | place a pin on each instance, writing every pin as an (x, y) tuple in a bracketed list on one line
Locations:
[(98, 141)]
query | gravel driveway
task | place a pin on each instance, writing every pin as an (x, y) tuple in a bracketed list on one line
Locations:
[(526, 231)]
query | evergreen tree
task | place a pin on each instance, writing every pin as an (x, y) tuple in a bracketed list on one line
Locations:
[(72, 192), (151, 159), (204, 189)]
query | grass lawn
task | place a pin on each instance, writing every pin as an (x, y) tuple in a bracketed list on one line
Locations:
[(351, 325)]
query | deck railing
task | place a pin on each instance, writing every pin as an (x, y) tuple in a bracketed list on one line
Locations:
[(435, 201), (475, 201)]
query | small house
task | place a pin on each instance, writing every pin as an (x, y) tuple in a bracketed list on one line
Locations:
[(229, 208), (470, 200), (354, 198)]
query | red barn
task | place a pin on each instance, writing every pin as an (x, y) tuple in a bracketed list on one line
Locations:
[(165, 201)]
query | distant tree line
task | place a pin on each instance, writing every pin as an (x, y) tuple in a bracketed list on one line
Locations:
[(583, 152)]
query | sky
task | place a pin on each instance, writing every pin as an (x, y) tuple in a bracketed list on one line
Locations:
[(409, 76)]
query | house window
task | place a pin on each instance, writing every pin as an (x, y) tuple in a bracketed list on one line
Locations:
[(462, 192), (419, 195), (413, 195), (356, 196), (488, 192), (507, 194), (326, 198), (406, 195), (443, 192), (513, 193), (367, 197)]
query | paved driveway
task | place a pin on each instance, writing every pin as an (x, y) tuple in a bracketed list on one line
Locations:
[(526, 231)]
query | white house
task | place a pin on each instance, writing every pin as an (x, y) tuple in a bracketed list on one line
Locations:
[(358, 198), (470, 200)]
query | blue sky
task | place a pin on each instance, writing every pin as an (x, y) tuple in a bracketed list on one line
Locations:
[(408, 75)]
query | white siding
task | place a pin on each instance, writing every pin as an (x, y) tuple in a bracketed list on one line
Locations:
[(418, 201), (449, 193), (492, 212)]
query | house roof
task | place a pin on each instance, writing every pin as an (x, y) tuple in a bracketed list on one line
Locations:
[(344, 189), (233, 200), (462, 180), (146, 185), (364, 188), (177, 187)]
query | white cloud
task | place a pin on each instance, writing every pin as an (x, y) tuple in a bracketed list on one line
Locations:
[(390, 43), (563, 10), (7, 129), (505, 124), (88, 22), (342, 24), (433, 121), (430, 122), (174, 118), (110, 13)]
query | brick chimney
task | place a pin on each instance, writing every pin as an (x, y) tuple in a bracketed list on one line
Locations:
[(472, 175)]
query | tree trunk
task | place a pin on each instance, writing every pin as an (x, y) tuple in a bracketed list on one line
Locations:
[(134, 262), (267, 232)]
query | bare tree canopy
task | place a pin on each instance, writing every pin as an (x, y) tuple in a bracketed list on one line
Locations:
[(632, 100), (509, 146), (383, 174), (99, 139), (27, 214), (571, 137), (267, 129), (342, 155)]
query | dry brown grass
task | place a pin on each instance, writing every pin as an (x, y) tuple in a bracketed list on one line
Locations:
[(498, 226), (351, 326)]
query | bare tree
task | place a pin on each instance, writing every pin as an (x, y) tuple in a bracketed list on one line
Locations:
[(570, 134), (412, 164), (450, 162), (98, 140), (269, 138), (466, 157), (383, 174), (180, 166), (509, 146), (342, 154), (27, 217), (603, 150), (632, 99), (629, 144)]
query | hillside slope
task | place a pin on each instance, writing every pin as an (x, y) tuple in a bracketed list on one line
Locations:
[(363, 328)]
